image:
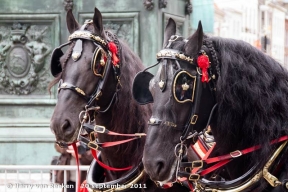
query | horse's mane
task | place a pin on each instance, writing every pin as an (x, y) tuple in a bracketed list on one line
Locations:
[(252, 97), (128, 116)]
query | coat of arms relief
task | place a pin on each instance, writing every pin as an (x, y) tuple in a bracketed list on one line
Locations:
[(23, 55)]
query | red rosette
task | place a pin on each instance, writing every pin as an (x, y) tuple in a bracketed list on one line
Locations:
[(113, 48), (203, 64)]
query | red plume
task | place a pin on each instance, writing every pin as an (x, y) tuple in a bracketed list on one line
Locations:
[(203, 64), (113, 48)]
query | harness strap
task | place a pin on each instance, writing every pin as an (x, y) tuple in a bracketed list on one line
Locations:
[(98, 146), (94, 153), (102, 129), (222, 160), (78, 164), (238, 153)]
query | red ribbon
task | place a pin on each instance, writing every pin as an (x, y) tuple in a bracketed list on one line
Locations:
[(113, 48), (203, 64)]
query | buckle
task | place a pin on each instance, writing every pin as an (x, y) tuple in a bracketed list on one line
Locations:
[(194, 177), (236, 153), (92, 145), (99, 129), (92, 136), (140, 134), (197, 164), (194, 119)]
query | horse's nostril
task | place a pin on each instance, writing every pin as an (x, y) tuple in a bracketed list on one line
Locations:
[(65, 126), (159, 167)]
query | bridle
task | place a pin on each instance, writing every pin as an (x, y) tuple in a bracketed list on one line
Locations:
[(106, 56), (142, 95), (102, 53), (193, 83)]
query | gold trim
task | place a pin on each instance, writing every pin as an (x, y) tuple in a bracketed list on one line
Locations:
[(98, 95), (194, 119), (168, 123), (184, 57), (79, 91), (185, 86), (254, 179), (86, 35), (167, 53), (103, 54), (174, 87), (271, 179), (197, 161)]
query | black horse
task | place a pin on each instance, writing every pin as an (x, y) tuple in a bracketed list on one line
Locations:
[(94, 97), (231, 86)]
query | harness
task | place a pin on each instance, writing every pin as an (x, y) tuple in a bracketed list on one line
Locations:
[(208, 71), (104, 58)]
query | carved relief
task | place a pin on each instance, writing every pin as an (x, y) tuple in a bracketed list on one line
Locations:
[(122, 29), (162, 4), (148, 4), (23, 52), (188, 7), (68, 5)]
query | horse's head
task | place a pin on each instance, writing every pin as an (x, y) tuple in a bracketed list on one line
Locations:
[(183, 98), (82, 70)]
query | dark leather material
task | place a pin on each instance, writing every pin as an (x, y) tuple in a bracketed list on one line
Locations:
[(55, 65), (140, 88)]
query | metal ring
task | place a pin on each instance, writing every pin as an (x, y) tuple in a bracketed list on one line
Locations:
[(184, 149)]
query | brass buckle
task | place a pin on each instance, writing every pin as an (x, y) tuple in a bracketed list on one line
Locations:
[(102, 129), (92, 136), (197, 164), (194, 119), (93, 145), (236, 153), (140, 134), (194, 177), (98, 95)]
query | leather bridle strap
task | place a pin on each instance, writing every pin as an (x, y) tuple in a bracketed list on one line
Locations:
[(102, 129), (238, 153), (94, 154), (98, 146), (223, 160), (78, 164)]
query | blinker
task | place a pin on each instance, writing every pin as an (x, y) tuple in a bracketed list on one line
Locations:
[(140, 88)]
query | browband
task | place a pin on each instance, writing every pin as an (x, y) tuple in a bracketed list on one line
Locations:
[(87, 35), (173, 54)]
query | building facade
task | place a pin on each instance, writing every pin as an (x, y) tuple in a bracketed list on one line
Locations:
[(30, 30)]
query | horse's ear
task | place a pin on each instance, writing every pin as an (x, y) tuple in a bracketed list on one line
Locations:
[(169, 31), (72, 24), (194, 44), (98, 23)]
